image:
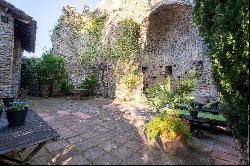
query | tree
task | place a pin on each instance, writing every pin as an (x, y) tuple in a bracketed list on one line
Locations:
[(52, 70), (224, 24)]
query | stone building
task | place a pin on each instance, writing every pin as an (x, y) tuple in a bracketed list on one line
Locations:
[(17, 33), (170, 46)]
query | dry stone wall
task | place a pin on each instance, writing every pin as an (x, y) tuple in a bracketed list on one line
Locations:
[(10, 57), (16, 68), (6, 53), (170, 45), (70, 47), (173, 47)]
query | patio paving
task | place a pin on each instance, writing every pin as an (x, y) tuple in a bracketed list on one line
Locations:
[(96, 131)]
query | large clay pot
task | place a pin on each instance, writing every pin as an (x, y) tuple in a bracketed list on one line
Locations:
[(175, 146)]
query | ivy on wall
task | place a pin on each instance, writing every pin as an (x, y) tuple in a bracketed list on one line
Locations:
[(125, 45), (94, 30), (122, 46)]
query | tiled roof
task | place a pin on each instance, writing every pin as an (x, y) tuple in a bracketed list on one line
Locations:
[(25, 26)]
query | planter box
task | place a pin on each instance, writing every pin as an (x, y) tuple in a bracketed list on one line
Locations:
[(16, 118)]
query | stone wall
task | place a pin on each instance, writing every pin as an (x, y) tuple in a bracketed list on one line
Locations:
[(173, 47), (46, 91), (6, 53), (65, 43), (16, 68), (170, 45)]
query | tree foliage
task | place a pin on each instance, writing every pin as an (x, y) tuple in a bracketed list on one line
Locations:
[(52, 68), (89, 84), (224, 24), (49, 69), (29, 70)]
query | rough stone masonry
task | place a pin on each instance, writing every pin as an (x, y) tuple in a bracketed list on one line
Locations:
[(6, 53), (169, 46), (17, 33)]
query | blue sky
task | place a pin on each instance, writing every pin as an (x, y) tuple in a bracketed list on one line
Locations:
[(46, 13)]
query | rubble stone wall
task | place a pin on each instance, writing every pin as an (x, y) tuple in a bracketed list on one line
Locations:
[(16, 68), (173, 47), (170, 45), (6, 53)]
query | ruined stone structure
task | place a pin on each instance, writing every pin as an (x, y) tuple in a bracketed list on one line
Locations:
[(17, 33), (169, 47)]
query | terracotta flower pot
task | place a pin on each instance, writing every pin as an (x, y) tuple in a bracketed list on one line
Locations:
[(173, 146)]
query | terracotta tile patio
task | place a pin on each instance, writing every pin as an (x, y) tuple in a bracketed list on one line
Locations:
[(98, 132)]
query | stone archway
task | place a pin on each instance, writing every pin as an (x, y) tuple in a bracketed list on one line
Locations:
[(172, 47)]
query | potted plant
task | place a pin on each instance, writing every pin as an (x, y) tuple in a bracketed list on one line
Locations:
[(8, 99), (173, 133), (1, 109), (16, 114)]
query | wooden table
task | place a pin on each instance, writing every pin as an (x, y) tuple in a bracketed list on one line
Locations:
[(34, 132)]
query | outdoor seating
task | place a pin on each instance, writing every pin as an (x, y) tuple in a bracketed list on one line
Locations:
[(34, 132), (208, 119)]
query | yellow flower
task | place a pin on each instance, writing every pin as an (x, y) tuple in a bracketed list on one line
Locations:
[(172, 134), (92, 23)]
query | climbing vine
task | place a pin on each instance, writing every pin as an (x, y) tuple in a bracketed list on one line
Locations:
[(93, 44), (126, 43), (94, 30), (132, 79)]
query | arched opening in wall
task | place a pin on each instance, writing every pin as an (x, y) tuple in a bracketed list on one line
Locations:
[(169, 45)]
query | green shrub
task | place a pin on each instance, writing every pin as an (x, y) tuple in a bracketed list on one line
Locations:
[(29, 67), (52, 68), (168, 125), (68, 87), (213, 104), (225, 27), (160, 95), (89, 84)]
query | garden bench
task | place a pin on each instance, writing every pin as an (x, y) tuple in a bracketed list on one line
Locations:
[(34, 132)]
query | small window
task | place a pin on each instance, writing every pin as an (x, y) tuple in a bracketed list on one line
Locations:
[(144, 69), (5, 19), (199, 67), (199, 64), (168, 70)]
